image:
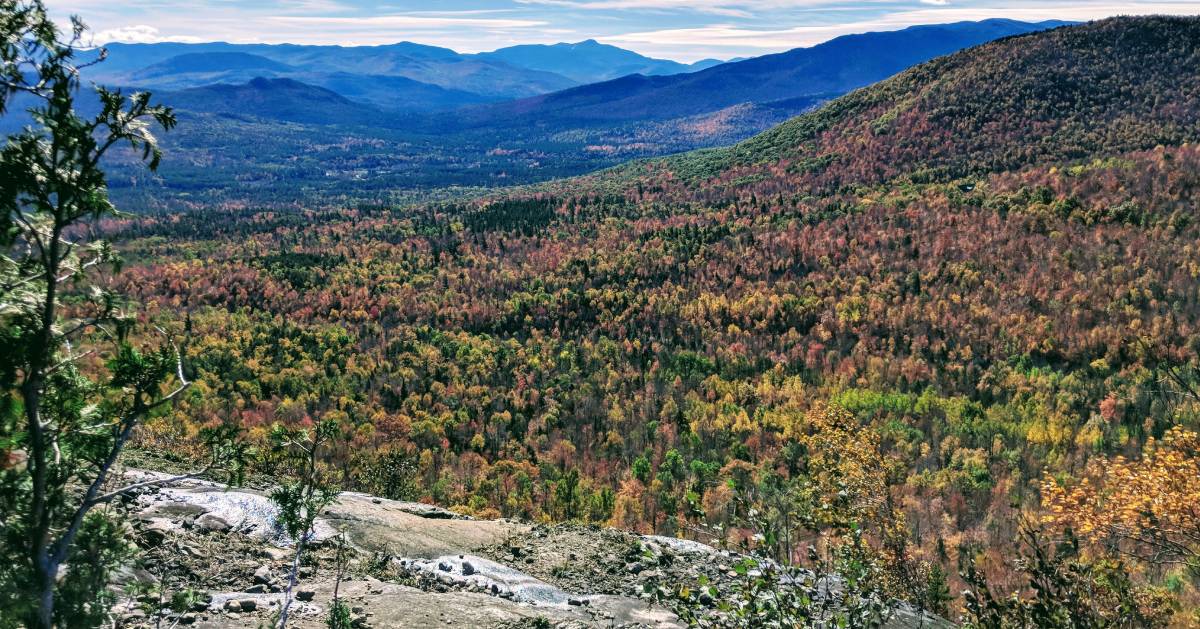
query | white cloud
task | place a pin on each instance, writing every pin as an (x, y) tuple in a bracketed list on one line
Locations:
[(726, 8), (137, 34), (408, 21), (730, 39), (685, 30)]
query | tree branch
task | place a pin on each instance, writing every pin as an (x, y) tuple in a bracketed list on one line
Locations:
[(170, 480)]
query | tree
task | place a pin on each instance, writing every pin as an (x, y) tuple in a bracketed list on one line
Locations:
[(73, 385), (311, 488), (1145, 507), (61, 429), (1065, 591)]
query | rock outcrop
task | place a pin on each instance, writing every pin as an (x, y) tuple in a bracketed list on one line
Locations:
[(222, 561)]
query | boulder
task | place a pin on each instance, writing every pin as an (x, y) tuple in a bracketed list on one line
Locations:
[(262, 575), (156, 531), (212, 523)]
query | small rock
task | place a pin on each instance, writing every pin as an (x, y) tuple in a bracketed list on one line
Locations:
[(156, 533), (305, 596), (306, 572), (263, 575), (376, 501), (256, 589), (578, 602), (187, 619), (212, 523), (634, 568), (248, 604), (467, 569), (232, 605)]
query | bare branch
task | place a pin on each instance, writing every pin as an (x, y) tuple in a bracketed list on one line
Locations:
[(156, 482)]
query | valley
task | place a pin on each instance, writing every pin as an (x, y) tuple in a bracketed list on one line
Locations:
[(897, 330), (268, 136)]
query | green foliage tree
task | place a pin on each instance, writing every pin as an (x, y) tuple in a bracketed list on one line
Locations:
[(73, 386), (310, 489)]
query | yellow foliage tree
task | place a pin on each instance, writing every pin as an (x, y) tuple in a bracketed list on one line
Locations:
[(1148, 507)]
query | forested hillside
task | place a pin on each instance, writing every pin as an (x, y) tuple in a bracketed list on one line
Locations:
[(990, 261)]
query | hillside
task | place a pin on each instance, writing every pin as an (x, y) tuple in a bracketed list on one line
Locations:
[(986, 265), (1067, 94), (832, 68)]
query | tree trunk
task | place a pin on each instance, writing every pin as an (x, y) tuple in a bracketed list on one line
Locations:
[(45, 577), (287, 596)]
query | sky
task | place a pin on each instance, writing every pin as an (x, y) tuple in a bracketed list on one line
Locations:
[(683, 30)]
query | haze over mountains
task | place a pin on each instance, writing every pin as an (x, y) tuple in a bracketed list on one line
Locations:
[(403, 76), (408, 116)]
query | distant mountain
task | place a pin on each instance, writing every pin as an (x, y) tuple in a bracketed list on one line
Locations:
[(275, 99), (395, 92), (214, 62), (347, 139), (466, 79), (833, 68), (201, 69), (590, 61)]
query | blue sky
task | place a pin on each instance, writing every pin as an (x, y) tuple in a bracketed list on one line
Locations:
[(685, 30)]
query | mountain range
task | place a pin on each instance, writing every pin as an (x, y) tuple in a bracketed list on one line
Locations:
[(403, 76), (803, 74), (392, 130)]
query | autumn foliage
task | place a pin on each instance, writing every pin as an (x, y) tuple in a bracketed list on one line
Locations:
[(980, 270), (1149, 506)]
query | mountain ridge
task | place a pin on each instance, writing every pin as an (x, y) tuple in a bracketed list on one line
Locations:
[(590, 61), (833, 67)]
